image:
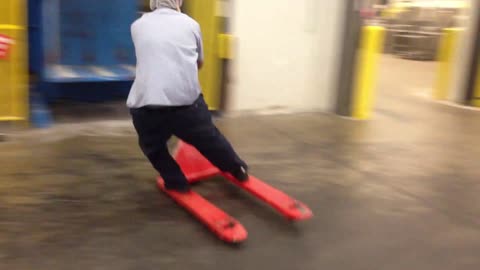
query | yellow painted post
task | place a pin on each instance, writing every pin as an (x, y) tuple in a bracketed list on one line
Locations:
[(204, 12), (476, 93), (225, 44), (13, 61), (371, 47), (446, 62)]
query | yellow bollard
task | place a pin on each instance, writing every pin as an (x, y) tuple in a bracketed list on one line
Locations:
[(446, 58), (476, 93), (371, 47), (204, 12), (13, 61)]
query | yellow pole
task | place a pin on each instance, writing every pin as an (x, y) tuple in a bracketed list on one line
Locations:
[(204, 12), (14, 68), (446, 62), (371, 47), (476, 93)]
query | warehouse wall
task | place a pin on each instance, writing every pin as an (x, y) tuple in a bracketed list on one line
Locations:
[(286, 54)]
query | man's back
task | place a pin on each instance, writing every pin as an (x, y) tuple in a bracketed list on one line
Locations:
[(168, 48)]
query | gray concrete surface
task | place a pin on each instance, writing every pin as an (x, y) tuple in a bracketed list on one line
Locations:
[(397, 192)]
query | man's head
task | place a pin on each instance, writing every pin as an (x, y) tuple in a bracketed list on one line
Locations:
[(172, 4)]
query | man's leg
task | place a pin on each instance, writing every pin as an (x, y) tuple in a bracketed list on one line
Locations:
[(153, 134), (195, 126)]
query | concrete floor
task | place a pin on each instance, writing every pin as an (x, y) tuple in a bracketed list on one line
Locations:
[(398, 192)]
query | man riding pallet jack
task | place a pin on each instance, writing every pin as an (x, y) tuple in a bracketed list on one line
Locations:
[(166, 98)]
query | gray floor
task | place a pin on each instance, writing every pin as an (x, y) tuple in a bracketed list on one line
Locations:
[(398, 192)]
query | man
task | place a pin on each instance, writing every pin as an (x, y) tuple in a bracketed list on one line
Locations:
[(166, 98)]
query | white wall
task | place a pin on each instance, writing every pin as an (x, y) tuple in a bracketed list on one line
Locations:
[(286, 54)]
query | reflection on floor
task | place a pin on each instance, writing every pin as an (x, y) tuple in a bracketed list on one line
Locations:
[(388, 194)]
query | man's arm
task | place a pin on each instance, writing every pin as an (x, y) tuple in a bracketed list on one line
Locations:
[(198, 37)]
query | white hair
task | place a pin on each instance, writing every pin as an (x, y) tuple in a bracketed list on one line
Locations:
[(172, 4)]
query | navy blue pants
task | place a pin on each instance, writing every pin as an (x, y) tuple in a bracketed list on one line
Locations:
[(193, 124)]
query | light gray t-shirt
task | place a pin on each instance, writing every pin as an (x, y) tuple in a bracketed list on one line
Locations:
[(168, 47)]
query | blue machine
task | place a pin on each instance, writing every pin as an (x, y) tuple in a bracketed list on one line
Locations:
[(81, 49)]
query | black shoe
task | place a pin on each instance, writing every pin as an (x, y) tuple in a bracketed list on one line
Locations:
[(241, 174), (182, 189)]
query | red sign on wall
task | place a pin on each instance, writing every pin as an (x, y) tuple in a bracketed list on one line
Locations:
[(5, 46)]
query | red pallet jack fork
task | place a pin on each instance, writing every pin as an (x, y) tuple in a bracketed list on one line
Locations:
[(197, 168)]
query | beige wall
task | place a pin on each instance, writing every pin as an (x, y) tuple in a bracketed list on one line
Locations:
[(286, 54)]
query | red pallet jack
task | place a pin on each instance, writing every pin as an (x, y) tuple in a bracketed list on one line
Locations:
[(198, 168)]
